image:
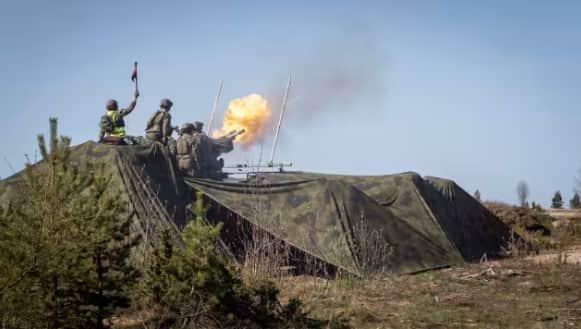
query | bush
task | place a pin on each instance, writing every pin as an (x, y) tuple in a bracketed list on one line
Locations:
[(189, 284)]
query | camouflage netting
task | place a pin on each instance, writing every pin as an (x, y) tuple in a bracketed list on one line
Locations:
[(417, 223), (143, 176), (427, 223)]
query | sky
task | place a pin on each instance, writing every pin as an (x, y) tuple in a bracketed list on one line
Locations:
[(486, 93)]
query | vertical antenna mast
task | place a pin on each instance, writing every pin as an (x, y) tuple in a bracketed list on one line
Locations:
[(282, 109), (216, 100)]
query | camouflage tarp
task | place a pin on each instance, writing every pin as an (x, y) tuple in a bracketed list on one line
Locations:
[(143, 176), (425, 223), (415, 223), (436, 207), (335, 222)]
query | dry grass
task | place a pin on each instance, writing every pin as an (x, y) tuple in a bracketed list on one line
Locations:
[(266, 257), (507, 294), (538, 287), (540, 291), (569, 214)]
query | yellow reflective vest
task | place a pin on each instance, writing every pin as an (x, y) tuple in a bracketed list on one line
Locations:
[(118, 124)]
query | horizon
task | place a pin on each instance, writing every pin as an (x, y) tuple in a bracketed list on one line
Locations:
[(482, 94)]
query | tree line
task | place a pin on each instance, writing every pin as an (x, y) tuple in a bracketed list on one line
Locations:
[(557, 201)]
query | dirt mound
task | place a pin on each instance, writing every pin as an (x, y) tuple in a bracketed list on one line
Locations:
[(520, 218)]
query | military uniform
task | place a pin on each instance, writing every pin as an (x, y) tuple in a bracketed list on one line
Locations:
[(200, 149), (112, 127), (184, 150), (159, 128)]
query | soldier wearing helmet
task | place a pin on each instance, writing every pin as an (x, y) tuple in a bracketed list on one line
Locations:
[(184, 149), (201, 149), (112, 125), (187, 128), (159, 128), (199, 127)]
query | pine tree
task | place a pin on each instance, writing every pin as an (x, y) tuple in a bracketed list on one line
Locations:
[(557, 201), (575, 202), (178, 264), (187, 279), (64, 247)]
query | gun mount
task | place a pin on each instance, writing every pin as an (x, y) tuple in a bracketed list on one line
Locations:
[(250, 169), (210, 150)]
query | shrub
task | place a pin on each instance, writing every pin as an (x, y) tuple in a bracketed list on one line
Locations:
[(189, 283)]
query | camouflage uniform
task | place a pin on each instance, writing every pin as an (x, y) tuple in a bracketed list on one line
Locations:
[(184, 150), (159, 127), (116, 117), (200, 149)]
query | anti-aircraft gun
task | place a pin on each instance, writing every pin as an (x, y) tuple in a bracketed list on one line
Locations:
[(211, 149), (225, 143), (212, 166)]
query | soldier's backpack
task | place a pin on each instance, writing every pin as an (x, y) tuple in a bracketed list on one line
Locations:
[(154, 122), (106, 124)]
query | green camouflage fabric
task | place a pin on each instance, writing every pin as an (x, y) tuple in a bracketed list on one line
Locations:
[(142, 175), (417, 223), (436, 207), (333, 221)]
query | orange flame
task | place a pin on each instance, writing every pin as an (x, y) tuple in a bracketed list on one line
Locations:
[(251, 113)]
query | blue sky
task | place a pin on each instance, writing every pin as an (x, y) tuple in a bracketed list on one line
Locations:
[(486, 93)]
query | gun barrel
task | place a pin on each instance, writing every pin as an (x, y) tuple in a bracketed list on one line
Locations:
[(235, 133)]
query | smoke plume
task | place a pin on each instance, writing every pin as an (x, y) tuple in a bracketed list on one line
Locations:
[(336, 76)]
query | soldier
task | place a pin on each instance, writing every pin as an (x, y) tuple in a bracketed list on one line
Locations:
[(184, 150), (199, 127), (112, 125), (207, 150), (200, 149), (159, 127)]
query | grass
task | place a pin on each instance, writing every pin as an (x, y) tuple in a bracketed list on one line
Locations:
[(518, 292), (506, 294), (570, 214)]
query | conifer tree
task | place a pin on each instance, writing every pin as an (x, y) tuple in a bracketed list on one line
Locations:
[(64, 245), (176, 265), (575, 202), (557, 201)]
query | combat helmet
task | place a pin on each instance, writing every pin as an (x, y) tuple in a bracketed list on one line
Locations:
[(198, 126), (111, 105), (187, 128), (165, 103)]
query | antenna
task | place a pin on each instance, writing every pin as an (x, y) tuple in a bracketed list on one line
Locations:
[(282, 109), (260, 154), (9, 165), (216, 100)]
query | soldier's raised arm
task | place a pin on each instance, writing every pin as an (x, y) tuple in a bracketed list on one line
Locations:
[(129, 109)]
